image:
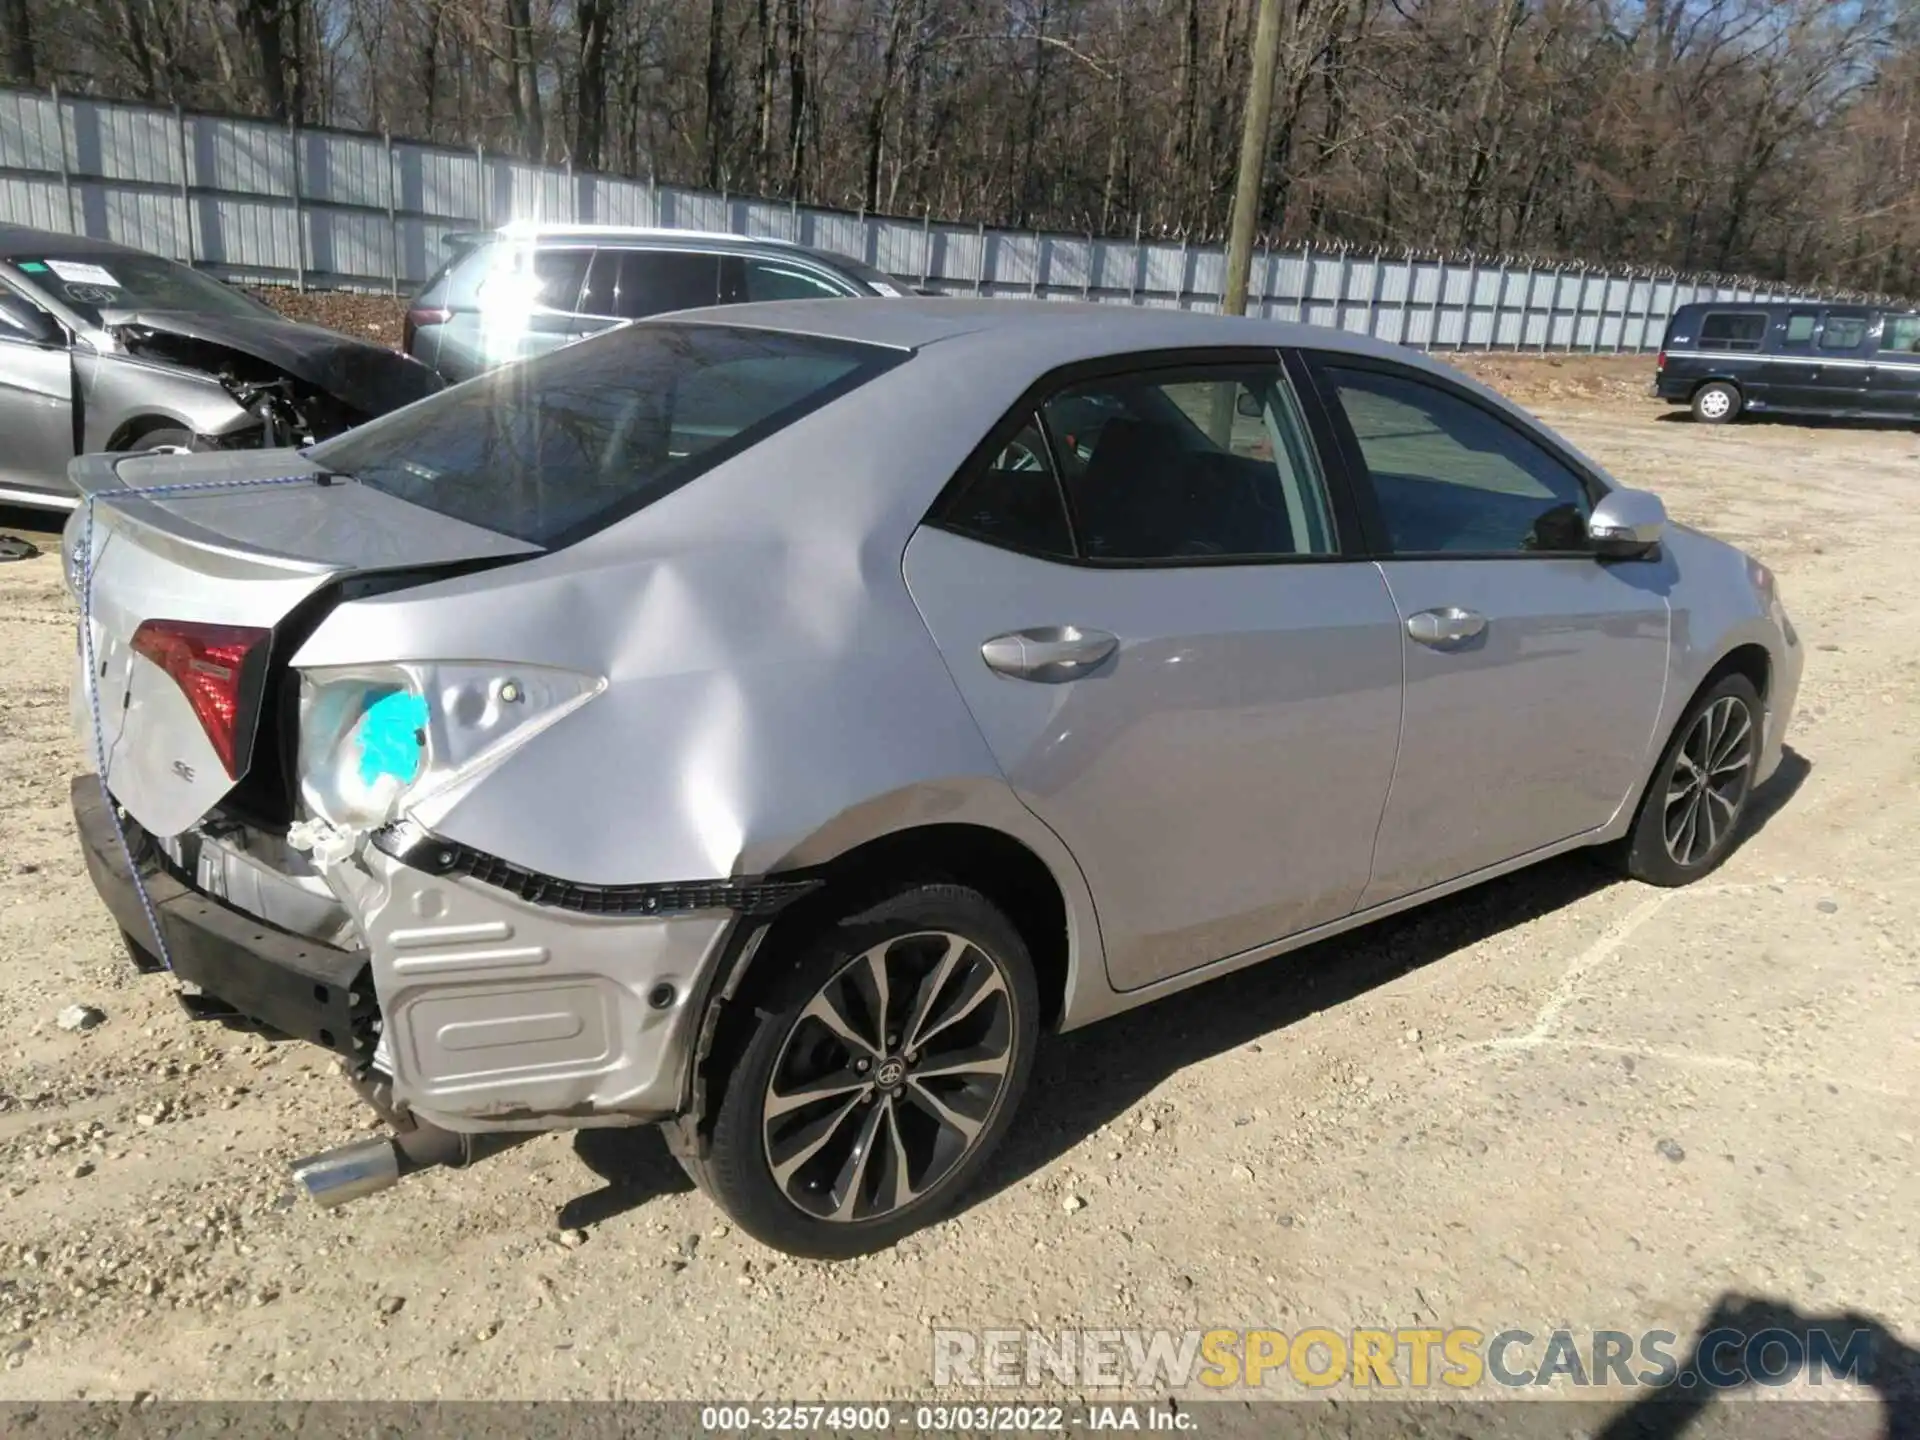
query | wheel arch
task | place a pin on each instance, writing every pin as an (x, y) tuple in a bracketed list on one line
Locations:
[(1052, 912), (1749, 658), (145, 423)]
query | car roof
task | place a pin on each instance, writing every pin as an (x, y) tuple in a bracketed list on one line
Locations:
[(1771, 305), (19, 240), (1050, 333), (544, 230)]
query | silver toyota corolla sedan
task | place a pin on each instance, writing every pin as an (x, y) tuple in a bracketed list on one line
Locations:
[(771, 722)]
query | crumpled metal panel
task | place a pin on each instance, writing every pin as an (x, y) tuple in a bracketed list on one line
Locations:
[(766, 668), (501, 1015), (772, 695)]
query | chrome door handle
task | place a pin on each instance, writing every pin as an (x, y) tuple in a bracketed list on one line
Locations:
[(1448, 625), (1048, 653)]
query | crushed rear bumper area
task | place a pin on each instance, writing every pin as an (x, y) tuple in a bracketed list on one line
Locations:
[(295, 985)]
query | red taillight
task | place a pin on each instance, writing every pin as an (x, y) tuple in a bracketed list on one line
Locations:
[(208, 663), (1660, 361), (416, 317)]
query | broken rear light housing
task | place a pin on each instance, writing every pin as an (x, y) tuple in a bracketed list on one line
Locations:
[(221, 669)]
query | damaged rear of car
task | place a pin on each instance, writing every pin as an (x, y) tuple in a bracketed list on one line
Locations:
[(107, 349), (303, 696)]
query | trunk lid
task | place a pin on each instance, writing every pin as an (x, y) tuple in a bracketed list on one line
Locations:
[(244, 558)]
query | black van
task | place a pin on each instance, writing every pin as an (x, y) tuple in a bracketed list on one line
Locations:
[(1803, 359)]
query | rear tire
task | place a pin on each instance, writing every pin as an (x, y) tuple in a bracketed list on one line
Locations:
[(1689, 819), (1717, 403), (912, 1026)]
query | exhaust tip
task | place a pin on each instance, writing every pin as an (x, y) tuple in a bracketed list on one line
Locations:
[(334, 1177)]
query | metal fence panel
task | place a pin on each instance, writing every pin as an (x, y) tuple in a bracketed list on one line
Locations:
[(241, 158), (261, 202), (29, 132)]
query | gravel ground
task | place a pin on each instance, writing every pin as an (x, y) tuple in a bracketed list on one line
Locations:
[(1555, 1100)]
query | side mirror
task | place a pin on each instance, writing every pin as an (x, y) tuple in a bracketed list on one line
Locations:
[(20, 319), (1248, 405), (1627, 524)]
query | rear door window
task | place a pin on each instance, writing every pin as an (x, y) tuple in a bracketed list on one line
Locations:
[(1733, 330), (529, 281), (565, 444), (559, 276), (1843, 332), (1902, 335), (652, 282), (601, 297), (1015, 499), (1800, 327)]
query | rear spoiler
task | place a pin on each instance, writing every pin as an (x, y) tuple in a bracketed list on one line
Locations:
[(211, 512)]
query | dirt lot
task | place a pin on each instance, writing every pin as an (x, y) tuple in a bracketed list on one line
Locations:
[(1557, 1100)]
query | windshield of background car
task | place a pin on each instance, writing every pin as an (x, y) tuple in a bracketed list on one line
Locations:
[(877, 281), (89, 284), (557, 447)]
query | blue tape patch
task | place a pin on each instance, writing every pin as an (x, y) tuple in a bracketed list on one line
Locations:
[(390, 737)]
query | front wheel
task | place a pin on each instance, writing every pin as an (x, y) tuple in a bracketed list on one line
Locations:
[(1690, 816), (1716, 403), (883, 1068)]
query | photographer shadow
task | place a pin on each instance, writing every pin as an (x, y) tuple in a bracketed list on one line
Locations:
[(1889, 1365)]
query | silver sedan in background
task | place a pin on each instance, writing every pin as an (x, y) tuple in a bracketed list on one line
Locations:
[(770, 722), (103, 347)]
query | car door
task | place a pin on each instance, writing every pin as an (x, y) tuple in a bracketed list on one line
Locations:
[(1843, 358), (1534, 672), (1893, 380), (36, 396), (1793, 370), (1141, 590)]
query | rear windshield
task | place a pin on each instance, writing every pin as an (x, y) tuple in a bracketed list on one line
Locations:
[(560, 446), (109, 281)]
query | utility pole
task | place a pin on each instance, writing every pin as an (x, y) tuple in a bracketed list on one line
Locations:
[(1253, 157)]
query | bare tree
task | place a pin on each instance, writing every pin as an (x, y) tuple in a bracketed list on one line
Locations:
[(1779, 137)]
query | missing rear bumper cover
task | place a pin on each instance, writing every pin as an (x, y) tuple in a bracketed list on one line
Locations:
[(295, 985)]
